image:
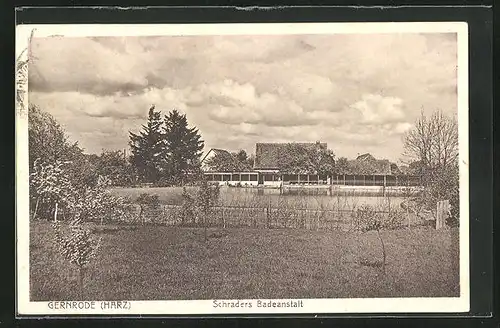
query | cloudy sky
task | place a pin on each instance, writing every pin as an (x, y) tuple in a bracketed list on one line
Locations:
[(358, 93)]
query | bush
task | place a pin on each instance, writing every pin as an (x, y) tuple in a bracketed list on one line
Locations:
[(444, 185), (188, 211), (395, 220), (148, 203), (196, 206), (363, 217)]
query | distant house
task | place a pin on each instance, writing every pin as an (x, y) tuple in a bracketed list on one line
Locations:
[(367, 171), (228, 170), (367, 164)]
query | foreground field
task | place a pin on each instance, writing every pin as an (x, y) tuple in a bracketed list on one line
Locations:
[(162, 263)]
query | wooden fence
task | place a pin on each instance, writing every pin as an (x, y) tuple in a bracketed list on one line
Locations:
[(267, 217)]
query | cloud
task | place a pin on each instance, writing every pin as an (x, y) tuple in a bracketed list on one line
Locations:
[(376, 109), (353, 91)]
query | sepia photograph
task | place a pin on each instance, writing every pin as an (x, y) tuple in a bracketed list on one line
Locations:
[(242, 168)]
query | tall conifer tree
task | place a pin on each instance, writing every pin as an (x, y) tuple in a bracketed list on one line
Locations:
[(147, 148), (183, 147)]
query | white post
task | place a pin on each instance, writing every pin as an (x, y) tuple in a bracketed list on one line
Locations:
[(55, 213)]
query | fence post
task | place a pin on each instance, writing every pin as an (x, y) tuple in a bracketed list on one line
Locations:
[(442, 209), (407, 212), (55, 212), (163, 219), (268, 218), (223, 218)]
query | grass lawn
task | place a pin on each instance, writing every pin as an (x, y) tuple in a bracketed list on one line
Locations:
[(163, 263)]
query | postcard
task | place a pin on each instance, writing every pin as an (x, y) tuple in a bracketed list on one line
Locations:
[(275, 168)]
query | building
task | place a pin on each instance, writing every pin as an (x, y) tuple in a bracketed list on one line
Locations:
[(267, 163), (227, 173), (367, 170), (367, 164)]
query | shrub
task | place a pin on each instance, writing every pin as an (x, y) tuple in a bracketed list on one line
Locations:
[(188, 208), (148, 203), (284, 214), (395, 220), (208, 196), (362, 217)]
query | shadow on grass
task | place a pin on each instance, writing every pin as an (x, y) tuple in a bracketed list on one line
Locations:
[(113, 230), (371, 263)]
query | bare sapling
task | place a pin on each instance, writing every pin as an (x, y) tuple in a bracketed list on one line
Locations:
[(368, 220), (207, 198)]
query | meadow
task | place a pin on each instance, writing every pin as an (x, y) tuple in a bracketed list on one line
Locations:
[(168, 262)]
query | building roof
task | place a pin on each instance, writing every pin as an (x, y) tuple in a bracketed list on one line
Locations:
[(216, 151), (365, 157), (267, 154), (367, 164)]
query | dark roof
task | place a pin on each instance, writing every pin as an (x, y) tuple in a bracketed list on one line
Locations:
[(365, 157), (267, 154), (367, 164)]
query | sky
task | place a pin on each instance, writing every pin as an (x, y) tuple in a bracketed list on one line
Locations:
[(357, 92)]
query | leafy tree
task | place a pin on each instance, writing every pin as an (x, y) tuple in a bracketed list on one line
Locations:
[(79, 248), (342, 166), (115, 166), (245, 159), (49, 188), (48, 141), (224, 161), (147, 147), (297, 158), (241, 156), (183, 148), (49, 151)]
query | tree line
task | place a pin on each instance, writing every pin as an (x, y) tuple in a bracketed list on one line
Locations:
[(167, 151)]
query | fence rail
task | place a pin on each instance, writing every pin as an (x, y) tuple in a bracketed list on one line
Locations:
[(266, 217)]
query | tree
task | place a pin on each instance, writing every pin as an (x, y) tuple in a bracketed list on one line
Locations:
[(147, 147), (224, 161), (241, 156), (183, 148), (433, 142), (49, 188), (245, 161), (367, 219), (432, 147), (296, 158), (115, 166), (49, 150), (342, 166), (47, 140)]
